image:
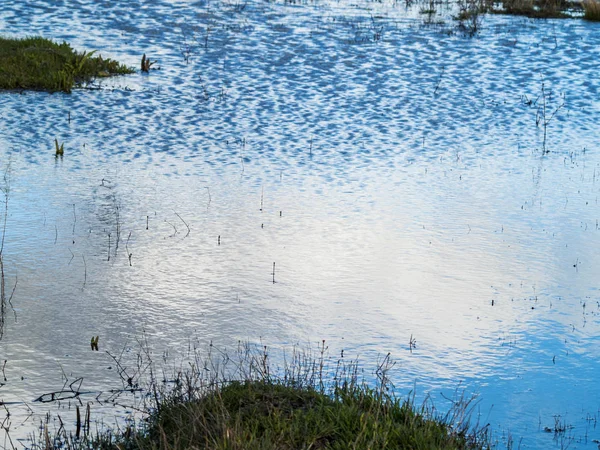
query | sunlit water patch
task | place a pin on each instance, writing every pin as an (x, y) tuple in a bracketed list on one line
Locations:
[(394, 172)]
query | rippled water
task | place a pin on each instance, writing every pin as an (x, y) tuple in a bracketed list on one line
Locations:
[(391, 169)]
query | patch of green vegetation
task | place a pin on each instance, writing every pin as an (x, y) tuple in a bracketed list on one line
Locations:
[(311, 405), (37, 63), (271, 415)]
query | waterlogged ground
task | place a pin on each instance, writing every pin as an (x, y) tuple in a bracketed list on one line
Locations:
[(391, 169)]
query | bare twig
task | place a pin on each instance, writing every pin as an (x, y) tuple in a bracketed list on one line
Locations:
[(439, 81), (129, 255), (185, 223), (174, 227), (84, 271)]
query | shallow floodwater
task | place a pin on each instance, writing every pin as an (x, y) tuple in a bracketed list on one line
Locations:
[(392, 170)]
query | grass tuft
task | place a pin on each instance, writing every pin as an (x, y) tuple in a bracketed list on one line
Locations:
[(60, 149), (310, 404), (270, 414), (37, 63)]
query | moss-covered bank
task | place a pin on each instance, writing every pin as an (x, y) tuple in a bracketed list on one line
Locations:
[(40, 64)]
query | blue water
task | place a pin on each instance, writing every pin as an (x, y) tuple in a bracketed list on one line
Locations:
[(393, 170)]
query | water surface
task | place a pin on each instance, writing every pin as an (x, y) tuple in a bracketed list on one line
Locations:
[(392, 170)]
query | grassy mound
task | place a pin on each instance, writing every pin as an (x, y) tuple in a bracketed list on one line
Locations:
[(270, 415), (40, 64), (240, 403)]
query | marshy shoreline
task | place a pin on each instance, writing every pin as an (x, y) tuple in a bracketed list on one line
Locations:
[(369, 173), (313, 401)]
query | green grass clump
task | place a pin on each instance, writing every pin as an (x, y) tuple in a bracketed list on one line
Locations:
[(591, 9), (311, 403), (37, 63), (271, 415)]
